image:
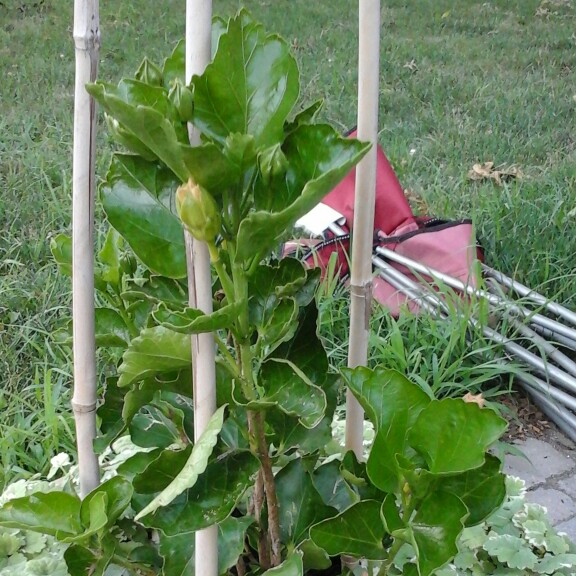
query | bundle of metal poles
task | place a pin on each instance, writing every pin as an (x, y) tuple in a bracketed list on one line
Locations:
[(549, 377)]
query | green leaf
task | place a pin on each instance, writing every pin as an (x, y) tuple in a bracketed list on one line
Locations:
[(292, 566), (552, 564), (300, 504), (286, 386), (318, 159), (178, 551), (390, 514), (118, 492), (305, 116), (195, 465), (434, 530), (249, 88), (61, 248), (138, 198), (358, 531), (148, 431), (156, 351), (110, 329), (156, 289), (392, 404), (314, 558), (82, 561), (330, 484), (54, 513), (161, 471), (211, 500), (109, 258), (210, 167), (146, 112), (482, 489), (453, 435), (192, 321), (511, 551), (382, 392), (93, 517)]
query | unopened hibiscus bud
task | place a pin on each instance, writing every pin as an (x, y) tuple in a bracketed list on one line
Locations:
[(273, 163), (182, 99), (198, 211)]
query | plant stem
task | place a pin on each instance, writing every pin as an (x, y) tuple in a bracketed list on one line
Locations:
[(256, 421), (132, 567)]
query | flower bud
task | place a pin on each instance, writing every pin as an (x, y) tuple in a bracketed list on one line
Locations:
[(273, 163), (198, 211), (182, 99), (149, 73)]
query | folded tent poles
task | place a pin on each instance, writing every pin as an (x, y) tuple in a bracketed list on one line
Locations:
[(556, 367)]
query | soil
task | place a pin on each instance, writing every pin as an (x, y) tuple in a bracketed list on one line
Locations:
[(525, 420)]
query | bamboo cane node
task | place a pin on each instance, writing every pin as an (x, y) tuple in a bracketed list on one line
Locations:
[(363, 292), (83, 408)]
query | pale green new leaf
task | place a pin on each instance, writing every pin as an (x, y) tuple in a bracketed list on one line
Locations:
[(511, 550), (195, 465)]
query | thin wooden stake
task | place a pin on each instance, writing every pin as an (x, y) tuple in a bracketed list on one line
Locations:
[(361, 270), (198, 55), (87, 42)]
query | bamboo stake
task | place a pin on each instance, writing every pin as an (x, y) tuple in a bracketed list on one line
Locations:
[(87, 43), (198, 54), (361, 271)]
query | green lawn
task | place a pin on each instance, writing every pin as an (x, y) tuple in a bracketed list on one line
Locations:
[(462, 82)]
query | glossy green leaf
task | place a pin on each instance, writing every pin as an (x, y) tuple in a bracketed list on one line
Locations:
[(178, 551), (292, 566), (61, 248), (54, 513), (127, 139), (174, 67), (150, 431), (435, 529), (161, 471), (390, 514), (84, 561), (210, 167), (453, 435), (314, 557), (249, 88), (138, 198), (286, 386), (93, 517), (195, 465), (156, 289), (137, 463), (110, 329), (118, 493), (330, 484), (109, 258), (305, 116), (318, 159), (299, 502), (156, 351), (211, 500), (356, 475), (482, 489), (146, 112), (192, 321), (383, 392), (358, 532)]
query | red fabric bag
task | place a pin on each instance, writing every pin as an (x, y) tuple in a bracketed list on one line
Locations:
[(447, 246)]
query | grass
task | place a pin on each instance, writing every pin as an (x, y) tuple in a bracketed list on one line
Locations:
[(461, 83)]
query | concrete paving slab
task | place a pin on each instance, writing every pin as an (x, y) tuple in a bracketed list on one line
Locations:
[(543, 462), (568, 485), (559, 505), (569, 528)]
